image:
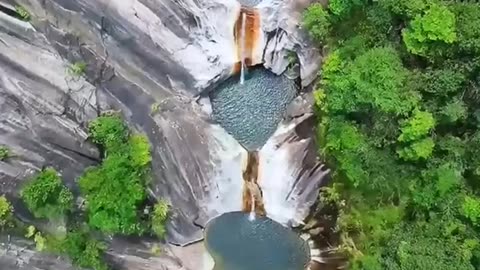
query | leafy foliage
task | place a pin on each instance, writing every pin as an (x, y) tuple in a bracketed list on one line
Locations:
[(116, 189), (425, 246), (46, 196), (108, 131), (77, 69), (5, 211), (316, 21), (399, 123), (23, 13), (159, 217), (436, 25), (421, 149), (416, 127), (471, 209), (4, 153), (84, 250)]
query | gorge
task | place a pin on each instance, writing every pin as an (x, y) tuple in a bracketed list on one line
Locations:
[(220, 144)]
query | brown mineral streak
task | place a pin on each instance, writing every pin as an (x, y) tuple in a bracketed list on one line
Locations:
[(250, 177), (252, 35)]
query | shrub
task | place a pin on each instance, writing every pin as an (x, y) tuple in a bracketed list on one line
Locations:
[(4, 153), (83, 250), (116, 189), (436, 25), (77, 69), (416, 127), (159, 217), (23, 13), (5, 211), (108, 131), (418, 150), (46, 196)]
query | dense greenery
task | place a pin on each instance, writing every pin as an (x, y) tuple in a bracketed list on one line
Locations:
[(399, 120), (46, 196), (115, 190), (84, 250)]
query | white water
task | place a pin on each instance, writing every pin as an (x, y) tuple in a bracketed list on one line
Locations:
[(251, 217), (242, 48)]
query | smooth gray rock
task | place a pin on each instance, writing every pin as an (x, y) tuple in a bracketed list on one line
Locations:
[(20, 254), (138, 53), (281, 21)]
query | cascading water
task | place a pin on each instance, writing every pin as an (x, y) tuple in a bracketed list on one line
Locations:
[(242, 48), (251, 217), (250, 108)]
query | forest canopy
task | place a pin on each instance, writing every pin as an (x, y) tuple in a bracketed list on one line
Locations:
[(398, 108)]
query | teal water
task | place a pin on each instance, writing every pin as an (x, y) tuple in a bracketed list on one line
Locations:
[(237, 243), (251, 112)]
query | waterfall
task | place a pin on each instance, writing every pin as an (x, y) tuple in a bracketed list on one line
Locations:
[(251, 217), (242, 47)]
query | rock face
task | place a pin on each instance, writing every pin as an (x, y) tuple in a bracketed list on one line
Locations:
[(141, 53)]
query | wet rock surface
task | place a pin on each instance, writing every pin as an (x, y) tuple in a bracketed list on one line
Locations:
[(138, 53)]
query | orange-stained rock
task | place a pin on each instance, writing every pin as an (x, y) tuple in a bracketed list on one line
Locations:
[(250, 176), (252, 37)]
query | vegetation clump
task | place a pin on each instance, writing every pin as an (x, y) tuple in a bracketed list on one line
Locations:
[(159, 218), (77, 69), (399, 121), (115, 190), (46, 196), (5, 212), (23, 13), (4, 153)]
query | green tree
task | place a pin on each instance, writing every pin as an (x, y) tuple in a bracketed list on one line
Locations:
[(108, 131), (471, 209), (455, 110), (46, 196), (418, 126), (316, 21), (343, 7), (115, 190), (84, 250), (425, 246), (374, 80), (468, 32), (436, 25), (418, 150)]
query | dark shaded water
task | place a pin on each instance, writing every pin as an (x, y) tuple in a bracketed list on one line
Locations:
[(251, 112), (237, 243)]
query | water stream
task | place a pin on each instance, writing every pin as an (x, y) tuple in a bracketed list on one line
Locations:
[(250, 106), (242, 48)]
